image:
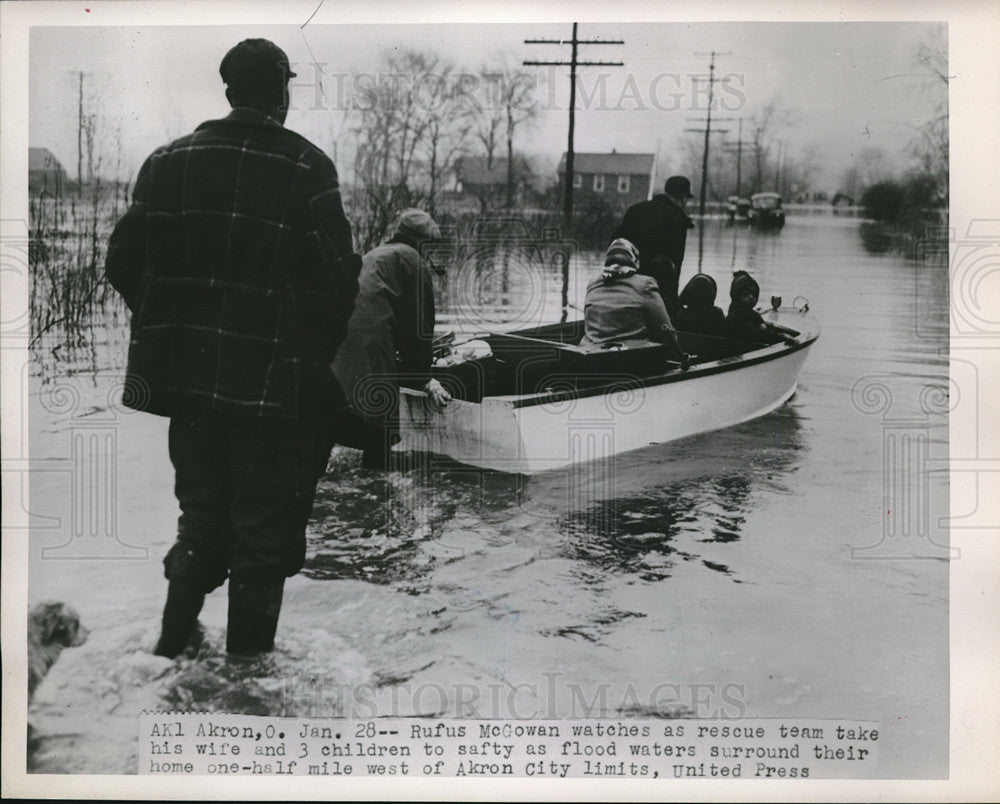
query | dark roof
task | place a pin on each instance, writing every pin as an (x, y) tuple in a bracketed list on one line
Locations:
[(623, 164), (473, 170), (42, 159)]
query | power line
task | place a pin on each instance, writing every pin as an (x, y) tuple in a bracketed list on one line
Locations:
[(704, 157), (708, 129), (573, 63)]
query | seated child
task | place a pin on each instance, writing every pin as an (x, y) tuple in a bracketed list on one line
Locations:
[(699, 313), (745, 323)]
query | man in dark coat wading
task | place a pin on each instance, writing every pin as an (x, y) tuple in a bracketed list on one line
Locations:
[(237, 263), (659, 228), (390, 338)]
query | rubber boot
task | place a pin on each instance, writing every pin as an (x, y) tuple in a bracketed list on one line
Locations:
[(253, 617), (185, 597)]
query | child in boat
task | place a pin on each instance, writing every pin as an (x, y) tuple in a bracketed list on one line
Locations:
[(699, 313), (743, 322), (622, 303)]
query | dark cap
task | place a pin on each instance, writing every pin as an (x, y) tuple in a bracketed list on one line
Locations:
[(417, 224), (255, 65), (700, 291), (678, 186)]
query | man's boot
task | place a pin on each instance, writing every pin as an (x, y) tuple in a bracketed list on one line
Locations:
[(185, 597), (253, 617)]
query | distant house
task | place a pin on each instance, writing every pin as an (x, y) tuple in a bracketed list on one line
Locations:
[(45, 174), (475, 177), (619, 179)]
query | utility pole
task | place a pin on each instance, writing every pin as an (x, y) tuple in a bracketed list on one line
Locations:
[(708, 128), (79, 136), (707, 131), (573, 63), (704, 156), (704, 181), (777, 169), (738, 150), (739, 158)]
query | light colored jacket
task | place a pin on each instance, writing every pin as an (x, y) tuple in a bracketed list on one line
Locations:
[(630, 307)]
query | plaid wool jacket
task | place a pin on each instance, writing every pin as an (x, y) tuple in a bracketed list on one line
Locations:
[(237, 262)]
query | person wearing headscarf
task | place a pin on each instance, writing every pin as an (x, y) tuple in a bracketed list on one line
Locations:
[(389, 338), (743, 322), (699, 313), (622, 303)]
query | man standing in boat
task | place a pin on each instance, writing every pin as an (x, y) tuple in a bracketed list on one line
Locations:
[(237, 263), (659, 228)]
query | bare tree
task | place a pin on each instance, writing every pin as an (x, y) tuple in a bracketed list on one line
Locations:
[(376, 185), (413, 125), (850, 183), (930, 146), (446, 126), (765, 125), (802, 172), (874, 166), (721, 166), (388, 132), (933, 55), (506, 101), (519, 107), (488, 115)]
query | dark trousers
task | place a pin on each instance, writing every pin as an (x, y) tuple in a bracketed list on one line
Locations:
[(667, 276), (245, 488), (376, 437)]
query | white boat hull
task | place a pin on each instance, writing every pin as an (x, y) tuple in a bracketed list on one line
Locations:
[(536, 433)]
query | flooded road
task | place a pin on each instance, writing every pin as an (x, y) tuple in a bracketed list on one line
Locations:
[(751, 572)]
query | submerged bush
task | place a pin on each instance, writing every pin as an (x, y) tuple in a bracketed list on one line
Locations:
[(884, 201), (904, 216)]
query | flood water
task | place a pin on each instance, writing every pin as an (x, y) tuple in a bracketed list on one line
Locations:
[(788, 567)]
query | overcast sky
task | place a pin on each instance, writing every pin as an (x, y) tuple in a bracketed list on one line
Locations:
[(849, 86)]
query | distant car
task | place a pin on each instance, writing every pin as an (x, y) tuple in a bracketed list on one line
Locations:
[(737, 208), (765, 211)]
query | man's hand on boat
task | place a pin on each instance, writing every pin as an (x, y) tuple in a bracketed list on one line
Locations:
[(437, 395)]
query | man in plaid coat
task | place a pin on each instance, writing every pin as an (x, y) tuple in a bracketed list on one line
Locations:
[(237, 262)]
